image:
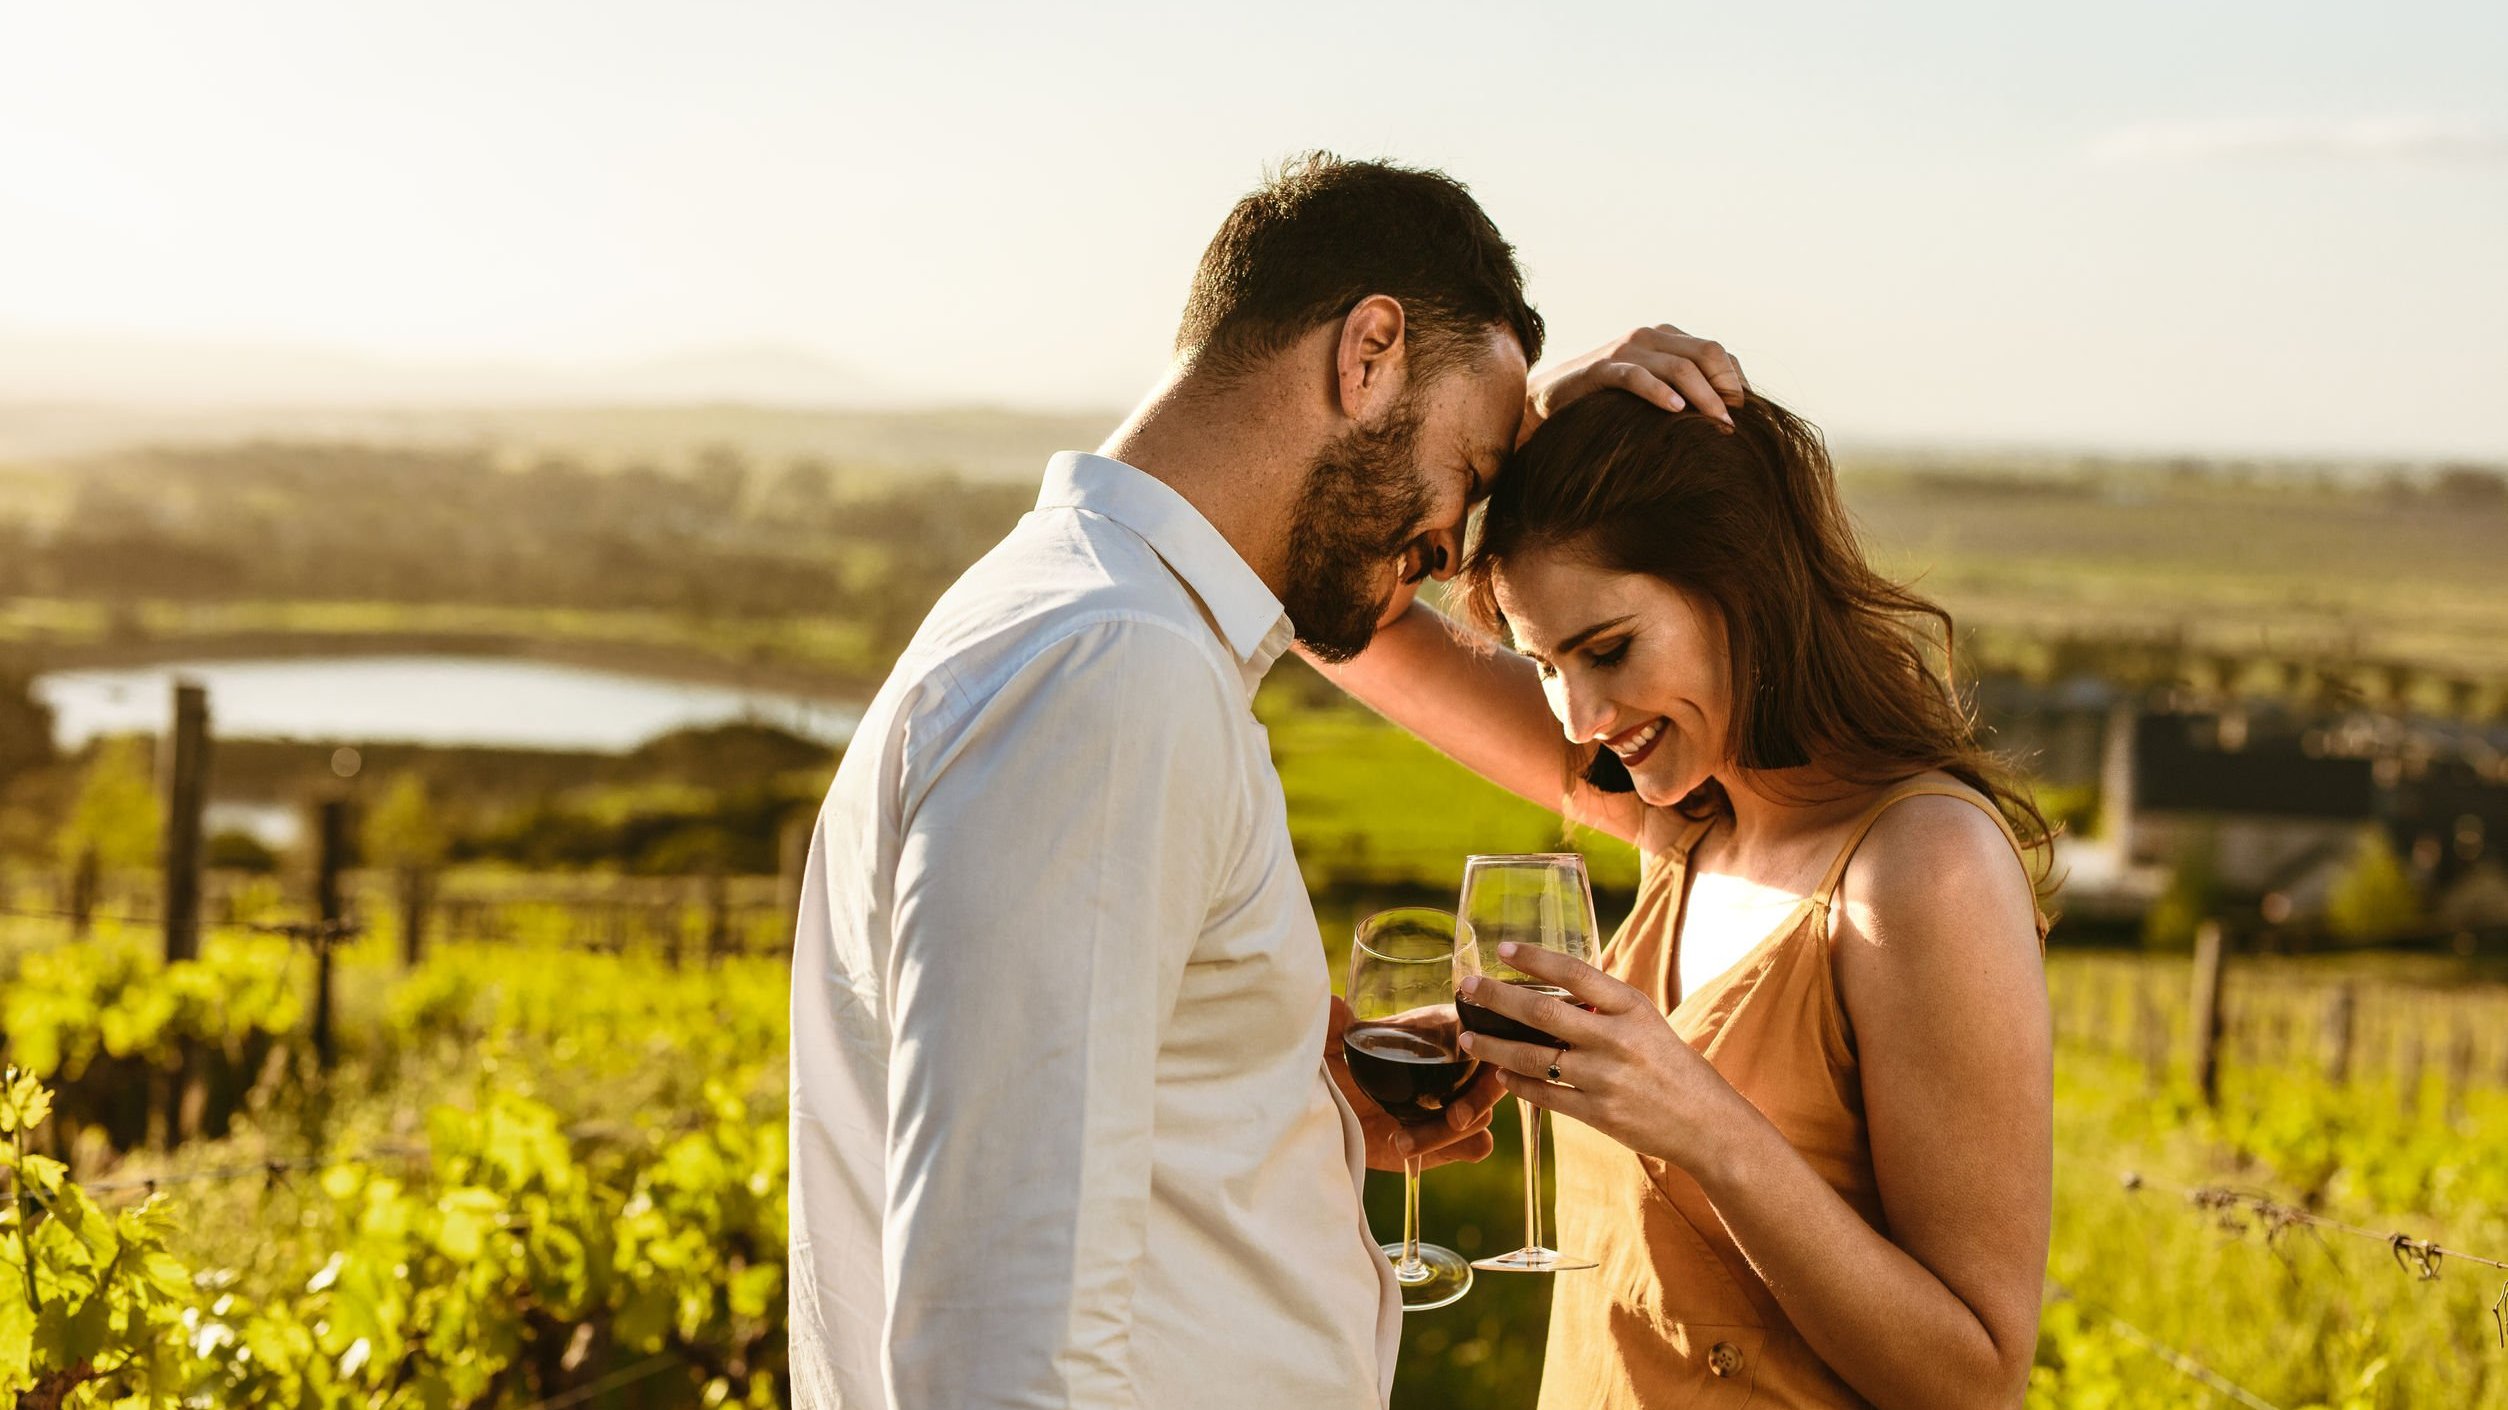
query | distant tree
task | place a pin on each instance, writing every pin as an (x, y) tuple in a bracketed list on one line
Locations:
[(241, 851), (2374, 899), (118, 817), (804, 495), (2475, 487), (720, 479)]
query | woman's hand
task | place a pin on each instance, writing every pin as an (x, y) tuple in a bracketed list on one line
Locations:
[(1624, 1071), (1463, 1135), (1662, 364)]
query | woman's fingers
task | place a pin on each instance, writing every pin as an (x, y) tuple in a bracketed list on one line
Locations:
[(1566, 1101), (1693, 383), (1634, 377), (1722, 370), (1606, 994), (1570, 1023), (1523, 1059)]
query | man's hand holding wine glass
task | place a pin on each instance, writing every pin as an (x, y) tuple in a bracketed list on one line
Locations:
[(1462, 1136)]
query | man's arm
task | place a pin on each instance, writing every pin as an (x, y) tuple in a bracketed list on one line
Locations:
[(1055, 871)]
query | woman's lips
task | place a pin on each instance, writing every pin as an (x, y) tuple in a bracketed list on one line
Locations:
[(1634, 745)]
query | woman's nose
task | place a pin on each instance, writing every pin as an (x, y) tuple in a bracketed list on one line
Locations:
[(1585, 717), (1441, 552)]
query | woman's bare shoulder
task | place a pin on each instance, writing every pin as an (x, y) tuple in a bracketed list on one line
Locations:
[(1937, 864)]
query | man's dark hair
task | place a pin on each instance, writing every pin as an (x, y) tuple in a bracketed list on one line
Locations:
[(1322, 233)]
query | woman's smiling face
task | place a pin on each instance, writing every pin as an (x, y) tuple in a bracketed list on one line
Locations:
[(1628, 661)]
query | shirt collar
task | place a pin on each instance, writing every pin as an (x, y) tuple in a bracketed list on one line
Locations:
[(1249, 618)]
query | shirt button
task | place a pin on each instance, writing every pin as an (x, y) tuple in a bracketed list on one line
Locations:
[(1724, 1358)]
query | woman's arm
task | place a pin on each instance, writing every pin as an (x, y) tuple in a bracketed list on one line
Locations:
[(1938, 961), (1941, 973), (1483, 707)]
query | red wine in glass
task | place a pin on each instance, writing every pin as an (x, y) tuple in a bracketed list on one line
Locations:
[(1409, 1072)]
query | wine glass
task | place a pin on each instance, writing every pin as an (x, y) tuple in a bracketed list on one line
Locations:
[(1537, 898), (1404, 1050)]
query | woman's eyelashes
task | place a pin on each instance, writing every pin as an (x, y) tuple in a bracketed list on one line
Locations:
[(1599, 658)]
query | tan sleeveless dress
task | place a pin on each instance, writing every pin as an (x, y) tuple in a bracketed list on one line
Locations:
[(1674, 1318)]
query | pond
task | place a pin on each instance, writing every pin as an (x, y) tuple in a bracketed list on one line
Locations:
[(438, 700)]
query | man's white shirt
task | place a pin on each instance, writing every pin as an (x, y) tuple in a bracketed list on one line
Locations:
[(1061, 1133)]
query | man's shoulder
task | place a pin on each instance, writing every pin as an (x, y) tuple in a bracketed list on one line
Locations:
[(1062, 585)]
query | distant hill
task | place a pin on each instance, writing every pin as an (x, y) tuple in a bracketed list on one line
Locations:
[(67, 397), (974, 442), (199, 374)]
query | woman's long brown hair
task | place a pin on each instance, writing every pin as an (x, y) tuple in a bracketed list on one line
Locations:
[(1831, 662)]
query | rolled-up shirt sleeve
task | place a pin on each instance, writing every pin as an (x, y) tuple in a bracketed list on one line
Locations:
[(1059, 851)]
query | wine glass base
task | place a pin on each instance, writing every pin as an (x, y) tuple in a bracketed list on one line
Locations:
[(1534, 1260), (1443, 1277)]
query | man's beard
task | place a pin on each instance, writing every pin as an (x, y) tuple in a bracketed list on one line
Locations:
[(1363, 503)]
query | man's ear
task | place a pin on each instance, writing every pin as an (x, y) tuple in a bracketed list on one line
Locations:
[(1370, 363)]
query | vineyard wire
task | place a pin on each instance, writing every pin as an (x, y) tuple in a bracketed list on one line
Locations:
[(2419, 1258), (652, 1365), (2178, 1361)]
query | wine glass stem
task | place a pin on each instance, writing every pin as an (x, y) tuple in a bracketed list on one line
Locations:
[(1531, 1115), (1410, 1268)]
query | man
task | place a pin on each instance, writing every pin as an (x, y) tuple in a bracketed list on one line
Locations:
[(1063, 1133)]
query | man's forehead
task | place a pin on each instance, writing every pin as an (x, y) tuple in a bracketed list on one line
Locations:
[(1508, 375), (1485, 396)]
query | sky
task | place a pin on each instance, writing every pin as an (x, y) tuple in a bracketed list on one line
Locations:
[(2217, 228)]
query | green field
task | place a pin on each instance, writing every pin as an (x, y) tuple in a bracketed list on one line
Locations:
[(551, 1141)]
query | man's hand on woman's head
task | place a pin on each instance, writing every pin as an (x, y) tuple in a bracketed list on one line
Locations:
[(1662, 364)]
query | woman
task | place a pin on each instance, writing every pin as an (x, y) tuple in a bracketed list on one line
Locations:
[(1812, 1129)]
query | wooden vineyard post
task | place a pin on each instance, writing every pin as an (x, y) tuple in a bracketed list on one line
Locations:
[(331, 840), (186, 788), (2408, 1079), (2340, 1013), (84, 877), (417, 885), (717, 916), (2204, 1013)]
